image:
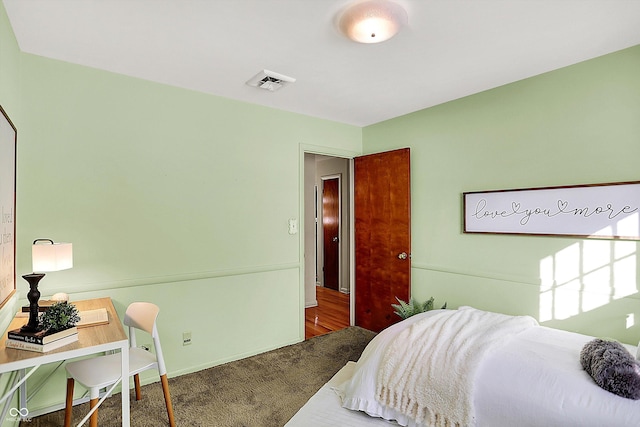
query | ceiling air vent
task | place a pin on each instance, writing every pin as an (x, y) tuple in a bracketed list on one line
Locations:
[(269, 80)]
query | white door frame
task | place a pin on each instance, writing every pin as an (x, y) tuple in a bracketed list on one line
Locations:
[(333, 152)]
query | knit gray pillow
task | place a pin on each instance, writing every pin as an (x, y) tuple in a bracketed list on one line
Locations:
[(612, 367)]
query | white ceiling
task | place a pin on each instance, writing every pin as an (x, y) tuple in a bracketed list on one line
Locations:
[(450, 48)]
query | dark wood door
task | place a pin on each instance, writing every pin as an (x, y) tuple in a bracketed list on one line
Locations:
[(331, 228), (382, 204)]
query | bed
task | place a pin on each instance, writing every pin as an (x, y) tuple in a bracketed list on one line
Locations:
[(532, 377)]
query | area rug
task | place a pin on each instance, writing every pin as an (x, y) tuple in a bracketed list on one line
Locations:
[(265, 390)]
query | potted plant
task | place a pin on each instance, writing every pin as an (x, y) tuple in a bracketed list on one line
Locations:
[(413, 307), (59, 316)]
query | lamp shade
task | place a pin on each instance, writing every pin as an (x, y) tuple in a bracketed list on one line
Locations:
[(372, 21), (49, 256)]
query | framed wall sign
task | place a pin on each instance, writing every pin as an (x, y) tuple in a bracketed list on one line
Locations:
[(604, 211), (8, 140)]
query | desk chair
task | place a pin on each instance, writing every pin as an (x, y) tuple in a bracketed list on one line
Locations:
[(99, 372)]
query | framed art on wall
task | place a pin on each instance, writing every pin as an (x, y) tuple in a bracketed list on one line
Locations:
[(8, 140), (602, 211)]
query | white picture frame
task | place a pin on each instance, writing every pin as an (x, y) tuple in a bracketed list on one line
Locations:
[(8, 141), (600, 211)]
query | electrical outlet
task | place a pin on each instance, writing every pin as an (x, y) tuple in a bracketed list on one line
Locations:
[(186, 338)]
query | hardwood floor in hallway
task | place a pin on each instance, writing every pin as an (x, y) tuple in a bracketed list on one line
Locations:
[(331, 313)]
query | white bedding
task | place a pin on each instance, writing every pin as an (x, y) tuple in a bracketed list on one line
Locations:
[(535, 380), (432, 380), (325, 409)]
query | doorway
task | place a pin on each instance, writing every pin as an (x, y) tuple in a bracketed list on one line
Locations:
[(327, 234), (379, 202)]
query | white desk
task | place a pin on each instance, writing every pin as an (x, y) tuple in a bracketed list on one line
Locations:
[(91, 340)]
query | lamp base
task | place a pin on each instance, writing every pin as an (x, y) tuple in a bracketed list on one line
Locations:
[(33, 296)]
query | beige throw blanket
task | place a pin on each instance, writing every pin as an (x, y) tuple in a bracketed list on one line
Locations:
[(428, 371)]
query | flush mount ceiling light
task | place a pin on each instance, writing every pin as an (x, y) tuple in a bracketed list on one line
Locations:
[(372, 21), (270, 80)]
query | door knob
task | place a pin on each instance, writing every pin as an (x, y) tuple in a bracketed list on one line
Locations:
[(335, 239), (403, 255)]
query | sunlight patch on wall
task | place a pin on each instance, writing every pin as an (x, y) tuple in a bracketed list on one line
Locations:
[(629, 225), (631, 320), (587, 275)]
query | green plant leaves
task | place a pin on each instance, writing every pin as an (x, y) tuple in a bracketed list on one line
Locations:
[(413, 307), (59, 316)]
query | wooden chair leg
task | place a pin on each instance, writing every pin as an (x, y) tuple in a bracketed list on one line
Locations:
[(136, 380), (68, 409), (93, 421), (167, 399)]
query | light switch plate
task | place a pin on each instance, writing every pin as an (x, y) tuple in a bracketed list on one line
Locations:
[(293, 226)]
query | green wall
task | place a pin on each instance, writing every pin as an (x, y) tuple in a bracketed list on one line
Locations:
[(169, 196), (9, 68), (577, 125), (10, 102)]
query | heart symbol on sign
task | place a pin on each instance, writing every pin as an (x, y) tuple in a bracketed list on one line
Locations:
[(562, 205), (515, 206)]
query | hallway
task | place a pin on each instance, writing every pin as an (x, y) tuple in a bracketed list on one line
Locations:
[(331, 313)]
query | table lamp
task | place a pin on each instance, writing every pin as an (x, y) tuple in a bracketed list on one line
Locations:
[(46, 256)]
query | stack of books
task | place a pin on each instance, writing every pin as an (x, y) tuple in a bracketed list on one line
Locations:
[(41, 341)]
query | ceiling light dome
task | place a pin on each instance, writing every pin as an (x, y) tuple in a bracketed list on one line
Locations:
[(372, 21)]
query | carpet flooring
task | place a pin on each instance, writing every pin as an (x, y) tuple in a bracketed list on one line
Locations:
[(265, 390)]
